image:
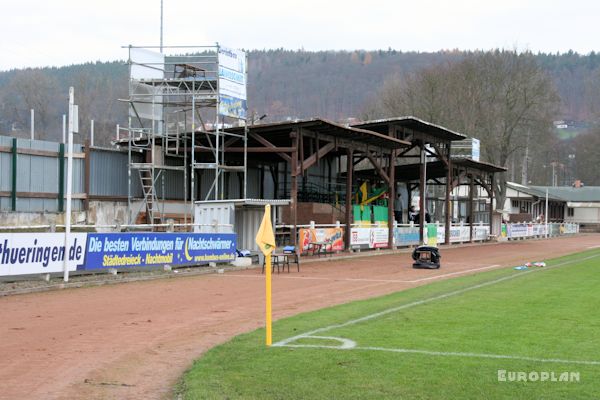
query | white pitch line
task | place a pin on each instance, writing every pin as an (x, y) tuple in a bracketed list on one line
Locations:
[(447, 353), (424, 301), (454, 273), (594, 247)]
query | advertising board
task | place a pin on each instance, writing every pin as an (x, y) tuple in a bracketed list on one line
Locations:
[(232, 83), (128, 250), (359, 237), (334, 237), (40, 253)]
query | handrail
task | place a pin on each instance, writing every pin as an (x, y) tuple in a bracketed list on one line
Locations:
[(114, 226)]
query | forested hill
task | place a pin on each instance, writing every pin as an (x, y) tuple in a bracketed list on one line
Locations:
[(282, 84)]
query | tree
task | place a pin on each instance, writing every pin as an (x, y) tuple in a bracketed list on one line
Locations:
[(33, 89), (501, 97), (587, 157)]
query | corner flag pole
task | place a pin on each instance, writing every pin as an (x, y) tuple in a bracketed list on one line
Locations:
[(265, 239), (269, 321)]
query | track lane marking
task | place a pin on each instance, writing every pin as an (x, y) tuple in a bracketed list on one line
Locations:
[(318, 278)]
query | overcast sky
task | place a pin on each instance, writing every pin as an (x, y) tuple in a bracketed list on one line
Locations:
[(61, 32)]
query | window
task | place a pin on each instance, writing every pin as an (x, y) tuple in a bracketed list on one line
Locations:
[(515, 204), (570, 212)]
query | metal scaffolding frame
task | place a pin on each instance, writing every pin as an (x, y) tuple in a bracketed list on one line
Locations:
[(171, 98)]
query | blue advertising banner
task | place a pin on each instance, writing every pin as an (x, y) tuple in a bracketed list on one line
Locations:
[(405, 236), (129, 250), (232, 107)]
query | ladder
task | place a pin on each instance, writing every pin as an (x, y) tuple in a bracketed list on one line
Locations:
[(148, 180), (173, 139)]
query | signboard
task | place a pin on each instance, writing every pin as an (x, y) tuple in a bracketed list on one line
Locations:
[(431, 237), (128, 250), (522, 230), (538, 229), (232, 83), (371, 238), (406, 236), (481, 232), (460, 234), (40, 253), (517, 230), (334, 237), (475, 149), (359, 237), (378, 237), (232, 107), (232, 59)]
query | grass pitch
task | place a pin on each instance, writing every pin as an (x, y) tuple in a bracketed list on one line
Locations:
[(448, 339)]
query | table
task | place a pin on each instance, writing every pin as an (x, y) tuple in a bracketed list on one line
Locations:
[(319, 247), (281, 260)]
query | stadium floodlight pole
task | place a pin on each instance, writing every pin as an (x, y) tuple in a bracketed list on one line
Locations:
[(64, 131), (161, 26), (32, 124), (91, 132), (72, 126), (546, 216)]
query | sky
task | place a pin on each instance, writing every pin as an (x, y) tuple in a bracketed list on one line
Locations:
[(37, 33)]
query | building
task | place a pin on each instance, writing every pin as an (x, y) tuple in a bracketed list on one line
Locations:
[(575, 204)]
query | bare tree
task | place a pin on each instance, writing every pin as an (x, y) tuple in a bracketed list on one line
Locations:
[(33, 89), (499, 97)]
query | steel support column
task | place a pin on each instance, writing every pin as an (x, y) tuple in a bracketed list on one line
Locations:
[(448, 204), (13, 193), (61, 177), (492, 205), (392, 198), (422, 201), (294, 191), (348, 209), (471, 214), (88, 161)]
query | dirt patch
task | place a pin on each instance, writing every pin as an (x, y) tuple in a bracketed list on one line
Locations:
[(134, 340)]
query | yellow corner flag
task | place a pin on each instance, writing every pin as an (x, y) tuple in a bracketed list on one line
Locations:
[(266, 242), (264, 237)]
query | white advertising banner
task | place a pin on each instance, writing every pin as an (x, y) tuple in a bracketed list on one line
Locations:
[(371, 238), (359, 237), (232, 83), (40, 253), (232, 73), (459, 234), (476, 149), (481, 232), (517, 230), (232, 89), (232, 59), (146, 64), (378, 237)]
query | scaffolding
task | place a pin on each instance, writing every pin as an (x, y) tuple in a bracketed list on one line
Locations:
[(171, 99)]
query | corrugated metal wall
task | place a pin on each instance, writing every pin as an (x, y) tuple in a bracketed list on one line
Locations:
[(37, 174), (108, 173), (108, 177), (5, 173)]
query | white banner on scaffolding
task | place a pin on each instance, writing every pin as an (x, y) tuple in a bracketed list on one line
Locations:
[(232, 83), (146, 64)]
